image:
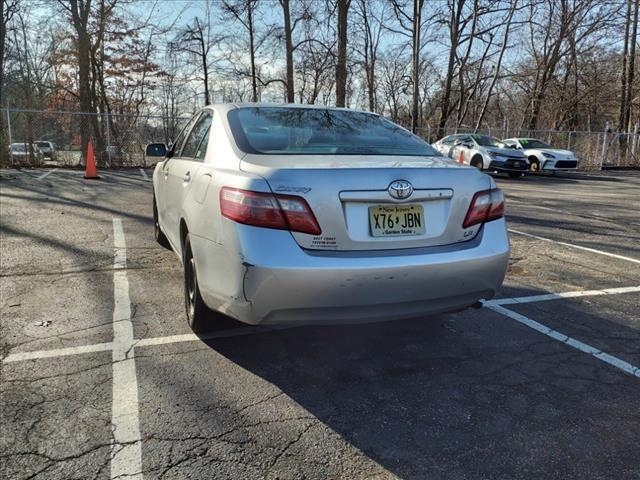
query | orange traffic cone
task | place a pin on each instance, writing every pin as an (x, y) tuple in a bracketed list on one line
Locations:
[(461, 157), (91, 171)]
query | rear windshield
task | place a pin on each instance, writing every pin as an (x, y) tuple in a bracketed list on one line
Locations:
[(311, 131), (19, 148), (43, 144)]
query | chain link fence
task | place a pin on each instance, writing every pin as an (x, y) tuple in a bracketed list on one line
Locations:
[(120, 140), (35, 138), (595, 150)]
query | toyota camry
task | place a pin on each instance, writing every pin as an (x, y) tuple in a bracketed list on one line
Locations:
[(302, 214)]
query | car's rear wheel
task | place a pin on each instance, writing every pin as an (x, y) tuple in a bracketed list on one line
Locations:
[(158, 234), (515, 175), (534, 165), (197, 311)]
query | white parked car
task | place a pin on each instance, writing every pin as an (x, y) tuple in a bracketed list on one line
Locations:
[(542, 156), (298, 214), (484, 152), (47, 148), (23, 152)]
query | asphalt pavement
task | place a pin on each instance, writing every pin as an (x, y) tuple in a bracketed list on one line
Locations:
[(102, 378)]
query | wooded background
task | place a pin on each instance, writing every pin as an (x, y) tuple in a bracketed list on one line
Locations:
[(566, 65)]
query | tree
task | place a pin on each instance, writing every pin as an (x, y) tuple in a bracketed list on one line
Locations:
[(196, 40), (371, 28), (288, 34), (8, 9), (455, 16), (411, 24), (498, 66), (628, 65), (341, 63), (243, 11)]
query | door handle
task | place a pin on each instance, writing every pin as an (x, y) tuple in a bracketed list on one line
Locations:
[(187, 177)]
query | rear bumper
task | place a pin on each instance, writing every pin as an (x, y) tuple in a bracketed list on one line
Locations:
[(278, 282)]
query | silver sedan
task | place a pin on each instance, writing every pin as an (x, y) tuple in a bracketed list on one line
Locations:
[(299, 214)]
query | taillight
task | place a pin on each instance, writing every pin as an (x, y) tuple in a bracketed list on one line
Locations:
[(284, 212), (485, 206)]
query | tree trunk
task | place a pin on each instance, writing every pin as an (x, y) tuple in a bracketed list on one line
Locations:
[(254, 84), (463, 67), (625, 60), (341, 64), (415, 63), (456, 10), (80, 17), (288, 50), (205, 69), (626, 125), (4, 135)]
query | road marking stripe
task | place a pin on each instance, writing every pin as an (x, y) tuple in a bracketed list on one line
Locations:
[(572, 342), (46, 174), (129, 380), (571, 245), (556, 296), (192, 337), (126, 450), (144, 174), (58, 352)]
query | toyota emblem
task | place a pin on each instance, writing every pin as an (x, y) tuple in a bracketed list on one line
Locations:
[(400, 189)]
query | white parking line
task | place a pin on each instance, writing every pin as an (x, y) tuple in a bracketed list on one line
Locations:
[(126, 451), (57, 352), (46, 174), (192, 337), (144, 174), (556, 296), (572, 342), (579, 247), (125, 385)]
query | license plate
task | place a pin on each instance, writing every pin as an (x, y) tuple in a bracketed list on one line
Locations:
[(396, 220)]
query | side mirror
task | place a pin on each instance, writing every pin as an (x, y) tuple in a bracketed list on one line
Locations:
[(156, 150)]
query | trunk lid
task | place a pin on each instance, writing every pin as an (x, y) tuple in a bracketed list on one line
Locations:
[(341, 190)]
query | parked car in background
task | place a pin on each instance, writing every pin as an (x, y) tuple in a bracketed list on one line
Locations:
[(47, 148), (484, 152), (301, 214), (542, 156), (21, 153)]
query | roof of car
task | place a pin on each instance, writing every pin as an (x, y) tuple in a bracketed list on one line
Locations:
[(232, 106)]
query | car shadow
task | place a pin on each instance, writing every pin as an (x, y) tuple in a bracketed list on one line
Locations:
[(563, 178), (436, 397)]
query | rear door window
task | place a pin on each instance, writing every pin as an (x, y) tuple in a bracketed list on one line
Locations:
[(178, 144), (199, 133)]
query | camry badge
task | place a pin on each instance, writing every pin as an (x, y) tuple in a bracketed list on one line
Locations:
[(400, 189)]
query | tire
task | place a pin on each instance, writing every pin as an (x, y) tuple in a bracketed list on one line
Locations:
[(197, 311), (534, 165), (158, 234), (477, 162), (515, 175)]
